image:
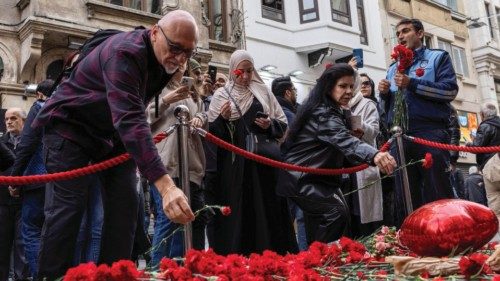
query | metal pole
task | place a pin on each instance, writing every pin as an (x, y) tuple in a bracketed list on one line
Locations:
[(398, 133), (182, 114)]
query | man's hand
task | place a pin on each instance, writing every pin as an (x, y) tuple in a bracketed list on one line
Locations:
[(383, 86), (401, 80), (14, 191), (385, 162), (175, 203), (176, 95)]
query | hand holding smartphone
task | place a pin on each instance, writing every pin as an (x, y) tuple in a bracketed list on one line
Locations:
[(212, 72), (358, 54), (187, 81)]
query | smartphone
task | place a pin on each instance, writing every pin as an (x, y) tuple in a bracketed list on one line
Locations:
[(358, 54), (187, 81), (212, 72), (261, 114)]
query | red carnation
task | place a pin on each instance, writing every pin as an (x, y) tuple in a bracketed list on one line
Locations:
[(83, 272), (420, 72), (238, 72), (427, 163), (328, 65), (124, 270), (103, 273), (226, 210), (473, 264), (404, 56)]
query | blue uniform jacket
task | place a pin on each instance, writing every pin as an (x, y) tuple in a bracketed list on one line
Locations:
[(428, 97)]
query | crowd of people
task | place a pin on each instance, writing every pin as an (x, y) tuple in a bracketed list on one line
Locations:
[(106, 106)]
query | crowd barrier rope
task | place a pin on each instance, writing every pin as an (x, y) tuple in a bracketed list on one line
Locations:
[(23, 180)]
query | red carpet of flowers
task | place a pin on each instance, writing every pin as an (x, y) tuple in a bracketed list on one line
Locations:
[(345, 260)]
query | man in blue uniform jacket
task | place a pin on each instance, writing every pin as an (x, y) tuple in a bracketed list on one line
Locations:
[(428, 96)]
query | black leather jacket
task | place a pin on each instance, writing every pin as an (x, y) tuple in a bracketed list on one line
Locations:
[(6, 157), (323, 142), (488, 134)]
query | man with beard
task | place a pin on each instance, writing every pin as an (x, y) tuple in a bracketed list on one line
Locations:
[(98, 113)]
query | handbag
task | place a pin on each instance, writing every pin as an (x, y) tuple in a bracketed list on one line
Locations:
[(259, 144)]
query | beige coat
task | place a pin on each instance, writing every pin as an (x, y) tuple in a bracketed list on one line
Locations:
[(168, 147), (370, 199)]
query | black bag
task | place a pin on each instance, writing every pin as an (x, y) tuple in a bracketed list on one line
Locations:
[(259, 144)]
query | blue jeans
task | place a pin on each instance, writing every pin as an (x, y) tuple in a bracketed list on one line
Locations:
[(298, 215), (88, 243), (32, 223), (163, 247), (164, 243)]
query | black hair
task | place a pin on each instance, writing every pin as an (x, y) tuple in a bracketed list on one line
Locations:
[(372, 84), (45, 87), (417, 24), (320, 94), (280, 85)]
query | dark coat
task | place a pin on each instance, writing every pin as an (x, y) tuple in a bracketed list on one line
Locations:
[(323, 142), (488, 134), (5, 198), (6, 157), (475, 189)]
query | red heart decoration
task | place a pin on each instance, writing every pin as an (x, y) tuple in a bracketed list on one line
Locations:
[(448, 226)]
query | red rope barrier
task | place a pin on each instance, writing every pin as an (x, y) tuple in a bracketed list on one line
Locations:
[(286, 166), (444, 146), (91, 169)]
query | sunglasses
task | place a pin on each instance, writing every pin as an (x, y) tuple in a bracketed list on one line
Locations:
[(176, 49), (366, 84)]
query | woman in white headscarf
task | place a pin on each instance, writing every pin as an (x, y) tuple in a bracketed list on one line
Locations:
[(259, 220)]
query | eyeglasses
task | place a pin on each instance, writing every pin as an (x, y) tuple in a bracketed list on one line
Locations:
[(366, 84), (176, 49)]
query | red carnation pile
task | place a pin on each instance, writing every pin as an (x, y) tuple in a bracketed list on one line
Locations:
[(403, 55)]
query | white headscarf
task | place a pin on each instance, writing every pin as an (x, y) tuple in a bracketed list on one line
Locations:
[(243, 95)]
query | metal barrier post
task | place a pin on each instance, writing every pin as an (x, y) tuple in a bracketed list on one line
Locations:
[(398, 133), (182, 114)]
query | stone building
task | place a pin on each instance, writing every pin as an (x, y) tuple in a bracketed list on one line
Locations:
[(445, 25), (36, 35)]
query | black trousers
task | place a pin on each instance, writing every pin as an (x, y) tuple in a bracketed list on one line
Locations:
[(326, 213), (65, 203), (11, 244)]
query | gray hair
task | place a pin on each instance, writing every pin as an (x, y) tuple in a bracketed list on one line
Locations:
[(488, 110), (18, 111), (473, 170)]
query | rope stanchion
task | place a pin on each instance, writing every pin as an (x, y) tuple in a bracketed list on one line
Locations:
[(445, 146), (91, 169), (281, 165)]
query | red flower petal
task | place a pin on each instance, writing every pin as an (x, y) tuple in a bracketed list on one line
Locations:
[(427, 164), (226, 211), (419, 72), (238, 72)]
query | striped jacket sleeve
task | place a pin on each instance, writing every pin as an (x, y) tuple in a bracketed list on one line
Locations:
[(444, 88)]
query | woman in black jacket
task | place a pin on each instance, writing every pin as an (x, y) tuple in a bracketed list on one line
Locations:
[(320, 138)]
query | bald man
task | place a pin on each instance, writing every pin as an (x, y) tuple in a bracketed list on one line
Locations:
[(98, 113)]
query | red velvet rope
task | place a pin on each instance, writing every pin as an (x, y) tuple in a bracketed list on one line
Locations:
[(444, 146), (91, 169), (286, 166)]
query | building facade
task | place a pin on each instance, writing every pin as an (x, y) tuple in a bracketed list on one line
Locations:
[(36, 35), (298, 38), (483, 22)]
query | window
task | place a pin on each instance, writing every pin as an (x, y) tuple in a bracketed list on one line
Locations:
[(452, 4), (497, 88), (1, 69), (308, 11), (428, 41), (340, 11), (218, 19), (458, 57), (490, 22), (54, 69), (363, 36), (150, 6), (273, 9)]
